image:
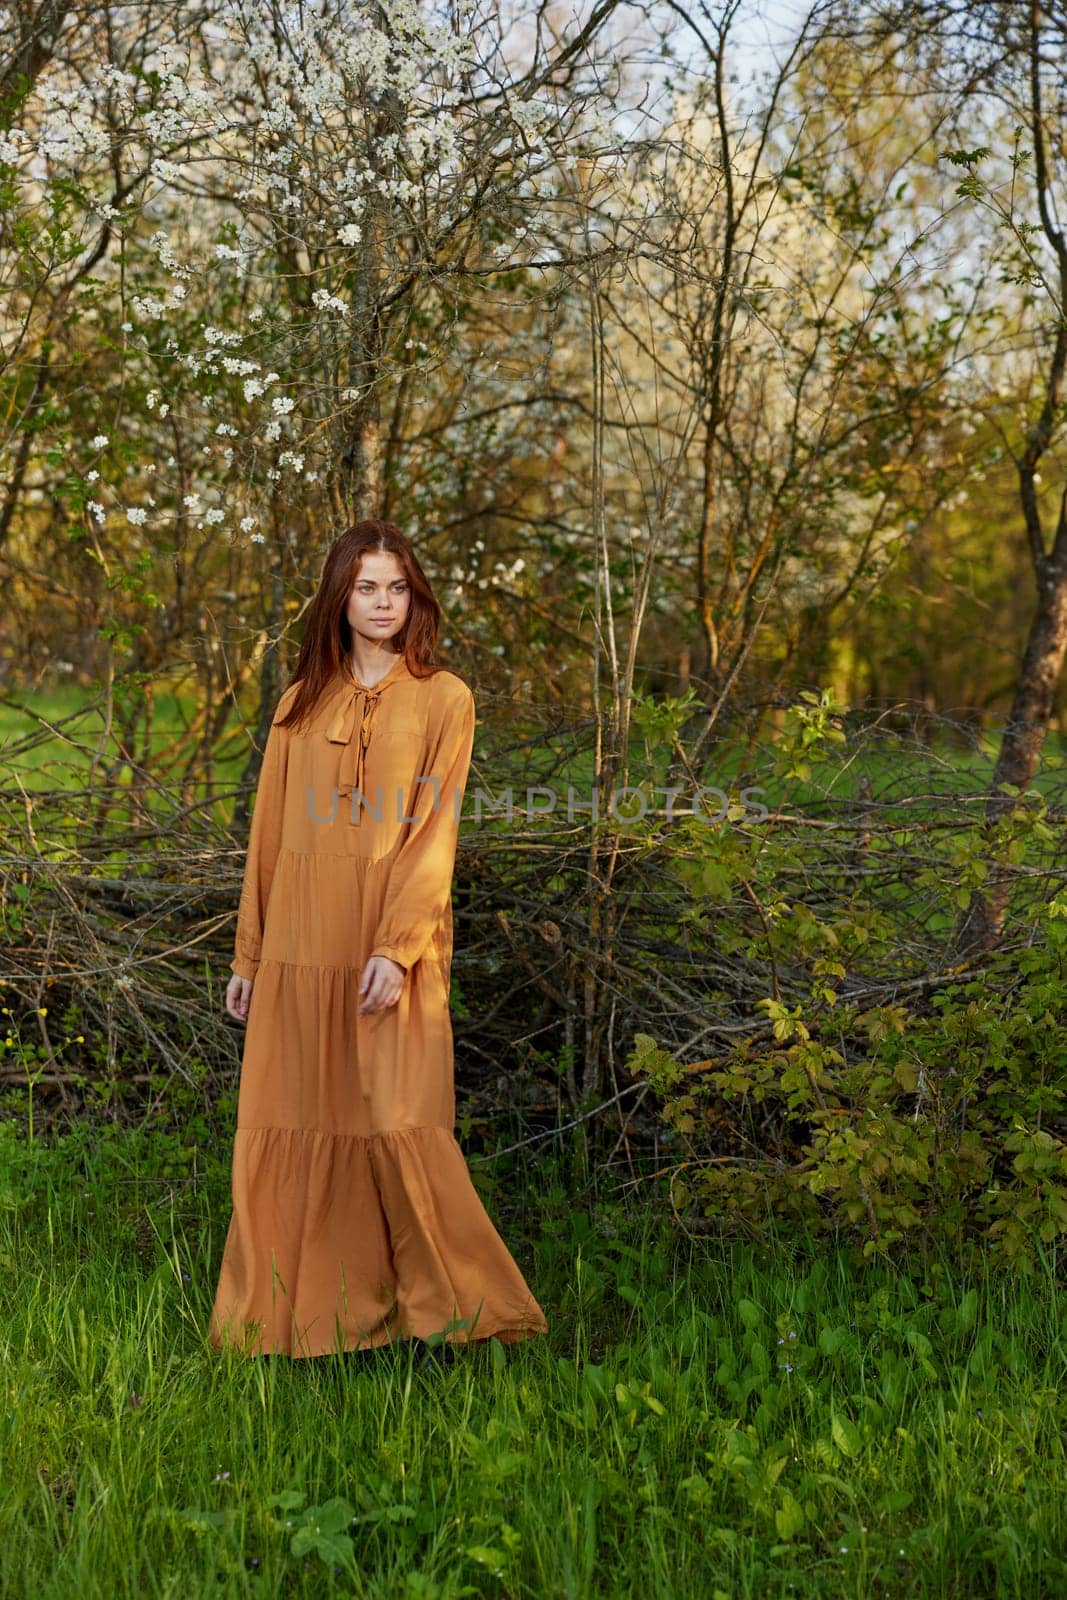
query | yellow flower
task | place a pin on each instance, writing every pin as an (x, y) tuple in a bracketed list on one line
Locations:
[(80, 1039), (42, 1011)]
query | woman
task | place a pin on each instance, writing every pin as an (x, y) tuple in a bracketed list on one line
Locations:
[(354, 1218)]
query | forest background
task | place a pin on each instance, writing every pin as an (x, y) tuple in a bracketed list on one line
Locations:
[(712, 354)]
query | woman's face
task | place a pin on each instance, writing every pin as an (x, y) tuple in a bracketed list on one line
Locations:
[(380, 597)]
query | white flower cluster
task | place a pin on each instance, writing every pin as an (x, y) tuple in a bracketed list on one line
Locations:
[(160, 244), (165, 124), (69, 136), (165, 171), (277, 118), (323, 300), (149, 307), (219, 336), (533, 116)]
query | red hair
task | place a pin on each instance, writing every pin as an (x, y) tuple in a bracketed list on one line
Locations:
[(327, 637)]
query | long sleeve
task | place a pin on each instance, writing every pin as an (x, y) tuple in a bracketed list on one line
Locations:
[(420, 883), (264, 840)]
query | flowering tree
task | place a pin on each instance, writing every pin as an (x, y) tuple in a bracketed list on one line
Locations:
[(253, 230)]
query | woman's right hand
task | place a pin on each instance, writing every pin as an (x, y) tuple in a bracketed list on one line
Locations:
[(238, 994)]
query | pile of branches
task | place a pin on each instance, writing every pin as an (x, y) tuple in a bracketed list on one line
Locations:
[(119, 902)]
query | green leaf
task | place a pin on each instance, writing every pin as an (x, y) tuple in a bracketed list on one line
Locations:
[(967, 158), (287, 1500), (331, 1517), (486, 1556), (789, 1518), (845, 1435), (967, 1311), (895, 1500), (202, 1520), (750, 1313), (329, 1547)]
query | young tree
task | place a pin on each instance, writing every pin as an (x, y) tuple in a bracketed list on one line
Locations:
[(1007, 69)]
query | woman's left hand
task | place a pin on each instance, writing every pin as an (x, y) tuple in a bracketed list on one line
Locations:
[(382, 984)]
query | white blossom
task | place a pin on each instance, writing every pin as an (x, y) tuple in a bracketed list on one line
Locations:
[(136, 515), (324, 301)]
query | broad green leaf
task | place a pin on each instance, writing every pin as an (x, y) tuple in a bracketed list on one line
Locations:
[(845, 1434), (789, 1518), (749, 1313)]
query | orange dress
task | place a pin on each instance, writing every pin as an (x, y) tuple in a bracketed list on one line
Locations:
[(354, 1219)]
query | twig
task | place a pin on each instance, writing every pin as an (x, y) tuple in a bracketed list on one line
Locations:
[(564, 1127)]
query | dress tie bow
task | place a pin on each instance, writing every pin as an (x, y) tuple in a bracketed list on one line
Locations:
[(351, 726)]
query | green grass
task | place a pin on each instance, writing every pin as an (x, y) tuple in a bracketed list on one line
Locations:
[(702, 1420), (60, 764)]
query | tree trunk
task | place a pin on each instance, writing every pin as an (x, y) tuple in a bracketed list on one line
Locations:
[(1020, 751), (1032, 705)]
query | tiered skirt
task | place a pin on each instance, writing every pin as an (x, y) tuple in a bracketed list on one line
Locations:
[(354, 1218)]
